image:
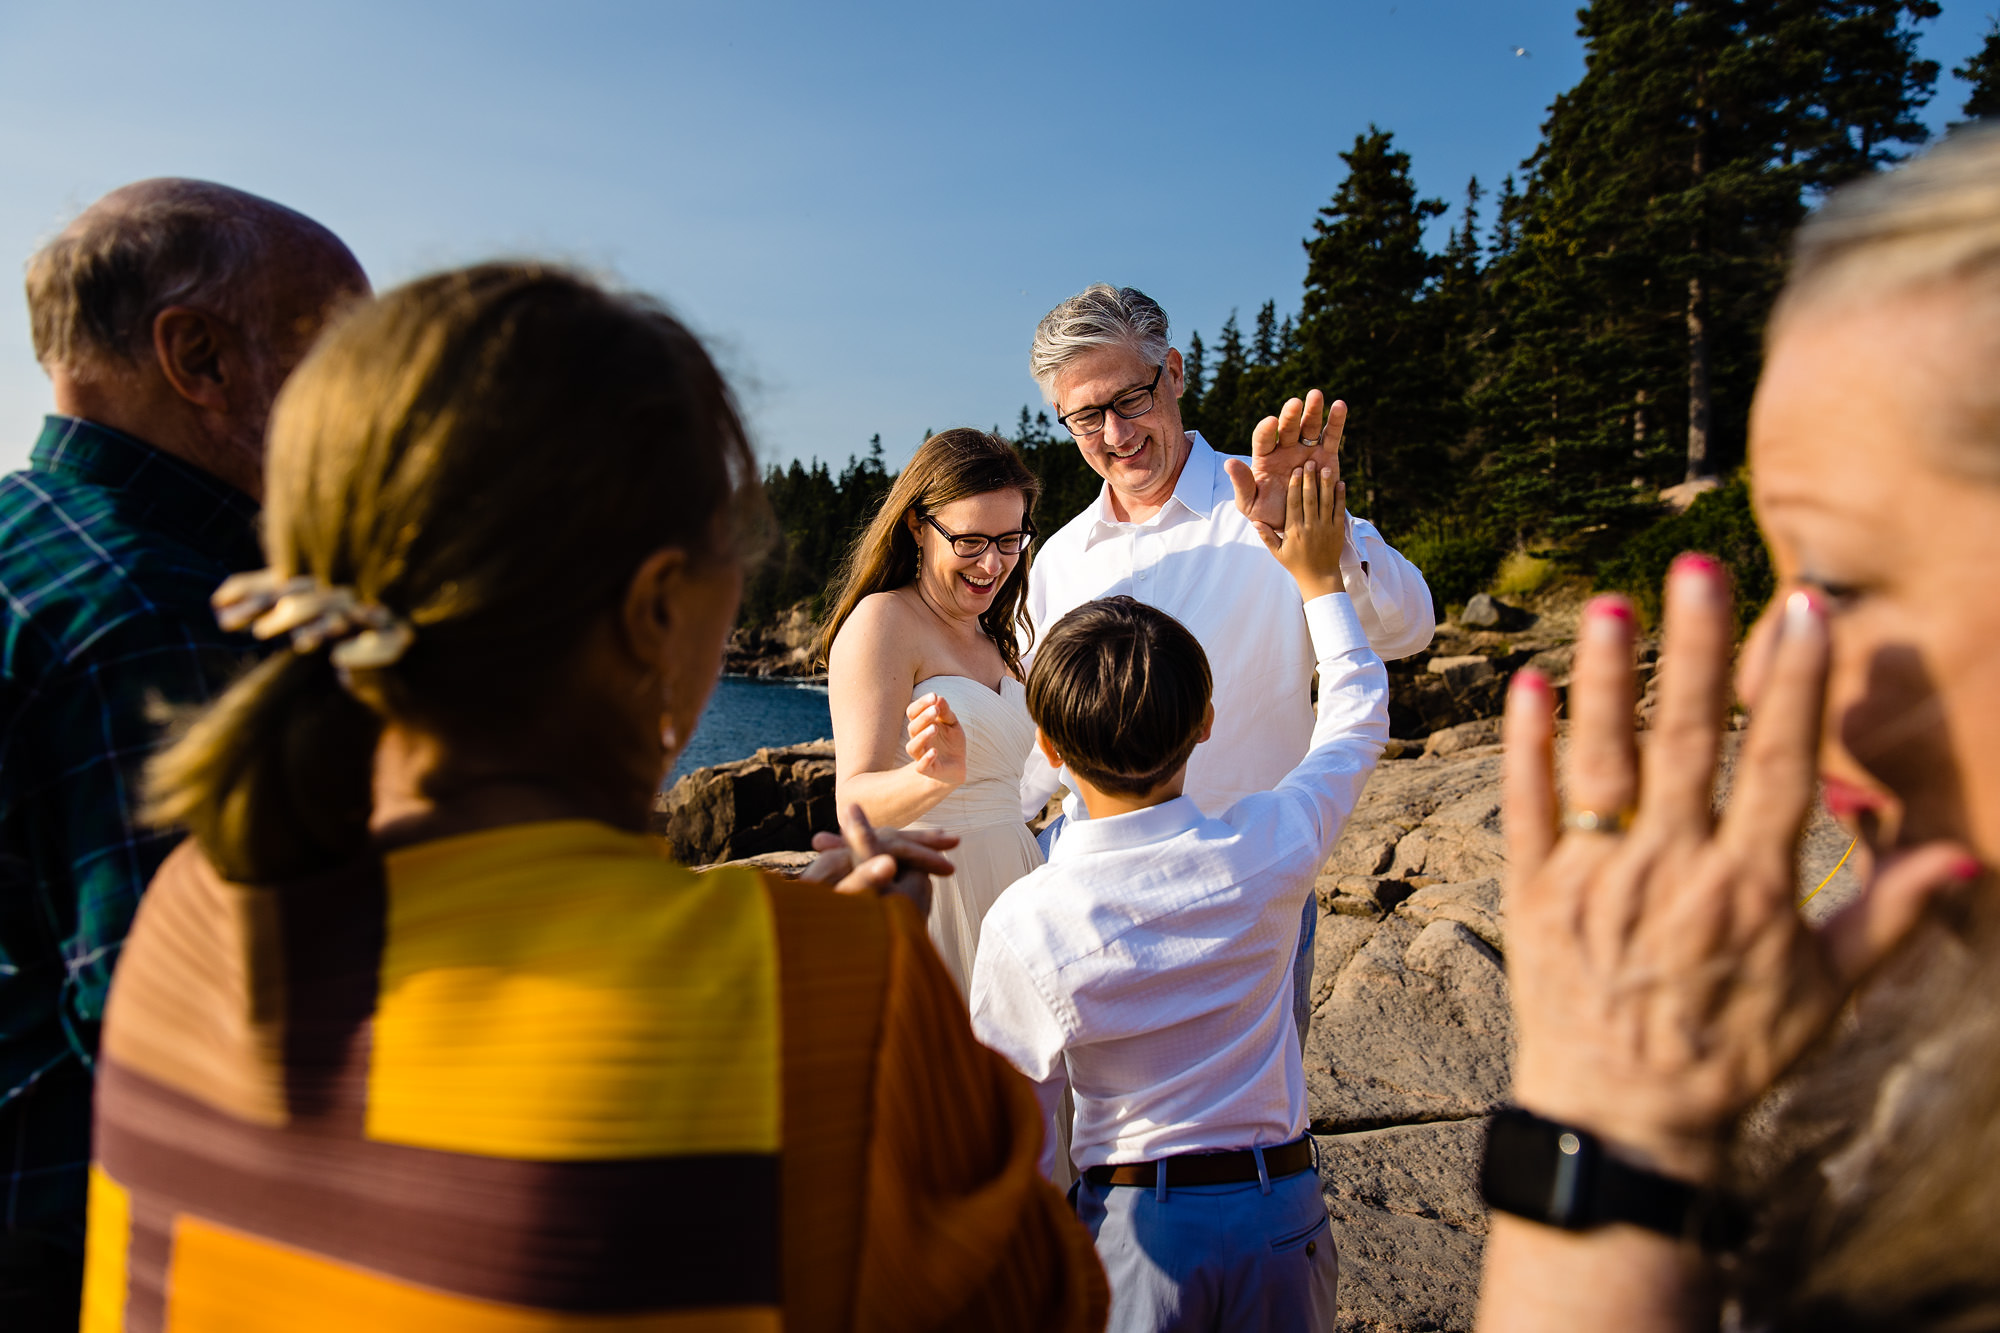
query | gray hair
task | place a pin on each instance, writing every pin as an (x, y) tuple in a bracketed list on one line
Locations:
[(96, 289), (1932, 220), (1098, 316)]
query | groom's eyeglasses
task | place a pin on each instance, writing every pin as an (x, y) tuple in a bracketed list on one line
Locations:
[(972, 545), (1085, 421)]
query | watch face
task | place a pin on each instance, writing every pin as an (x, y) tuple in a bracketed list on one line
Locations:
[(1534, 1168)]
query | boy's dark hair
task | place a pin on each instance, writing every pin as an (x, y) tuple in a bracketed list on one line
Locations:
[(1120, 688)]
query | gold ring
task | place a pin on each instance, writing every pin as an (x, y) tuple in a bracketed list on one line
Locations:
[(1593, 821)]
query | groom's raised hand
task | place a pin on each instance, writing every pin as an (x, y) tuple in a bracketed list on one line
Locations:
[(1305, 433)]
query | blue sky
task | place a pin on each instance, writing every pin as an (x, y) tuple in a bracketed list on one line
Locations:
[(863, 208)]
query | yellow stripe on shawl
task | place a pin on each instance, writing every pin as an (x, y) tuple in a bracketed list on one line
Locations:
[(222, 1281), (105, 1244), (562, 991)]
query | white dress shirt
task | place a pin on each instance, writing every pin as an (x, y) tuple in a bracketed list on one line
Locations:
[(1201, 562), (1145, 961)]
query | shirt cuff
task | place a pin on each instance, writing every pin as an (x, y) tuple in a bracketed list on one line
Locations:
[(1334, 627)]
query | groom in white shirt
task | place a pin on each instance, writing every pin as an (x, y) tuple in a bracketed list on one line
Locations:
[(1173, 528)]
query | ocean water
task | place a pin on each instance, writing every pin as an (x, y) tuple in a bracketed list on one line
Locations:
[(745, 713)]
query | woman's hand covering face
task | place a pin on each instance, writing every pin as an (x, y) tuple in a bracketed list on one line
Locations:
[(1662, 976)]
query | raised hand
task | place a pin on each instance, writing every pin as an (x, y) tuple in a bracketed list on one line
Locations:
[(1305, 433), (1314, 537), (937, 741), (1662, 975), (864, 859)]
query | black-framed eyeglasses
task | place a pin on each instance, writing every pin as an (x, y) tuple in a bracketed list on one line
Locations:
[(972, 545), (1131, 403)]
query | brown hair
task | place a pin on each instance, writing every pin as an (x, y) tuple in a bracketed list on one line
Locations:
[(952, 465), (1120, 688), (489, 454)]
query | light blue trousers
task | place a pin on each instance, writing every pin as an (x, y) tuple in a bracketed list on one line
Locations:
[(1215, 1258)]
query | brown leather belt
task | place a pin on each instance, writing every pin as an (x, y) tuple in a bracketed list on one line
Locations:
[(1209, 1168)]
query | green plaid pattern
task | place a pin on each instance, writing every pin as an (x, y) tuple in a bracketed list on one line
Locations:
[(109, 550)]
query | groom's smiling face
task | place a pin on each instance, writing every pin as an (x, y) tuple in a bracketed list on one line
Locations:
[(1140, 458)]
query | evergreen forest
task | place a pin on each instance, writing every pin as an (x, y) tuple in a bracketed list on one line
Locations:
[(1589, 334)]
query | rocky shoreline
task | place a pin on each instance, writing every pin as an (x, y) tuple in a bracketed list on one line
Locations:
[(1412, 1041), (781, 648)]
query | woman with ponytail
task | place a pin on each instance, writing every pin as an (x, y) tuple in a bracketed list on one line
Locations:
[(419, 1029)]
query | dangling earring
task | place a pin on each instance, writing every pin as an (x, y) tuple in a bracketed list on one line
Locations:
[(670, 735)]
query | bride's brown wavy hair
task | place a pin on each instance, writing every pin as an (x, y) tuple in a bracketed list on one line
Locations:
[(952, 465)]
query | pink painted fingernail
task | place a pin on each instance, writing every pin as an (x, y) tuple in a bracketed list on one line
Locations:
[(1611, 608), (1966, 868), (1805, 610), (1530, 681), (1696, 562)]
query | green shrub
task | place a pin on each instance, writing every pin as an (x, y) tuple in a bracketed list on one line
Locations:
[(1719, 522), (1456, 562), (1523, 573)]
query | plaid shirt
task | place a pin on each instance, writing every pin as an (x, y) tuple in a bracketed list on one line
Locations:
[(109, 550)]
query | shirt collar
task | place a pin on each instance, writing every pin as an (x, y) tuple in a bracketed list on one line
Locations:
[(1140, 828), (209, 514), (1194, 493)]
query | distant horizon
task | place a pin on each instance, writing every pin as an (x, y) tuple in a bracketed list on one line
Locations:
[(863, 216)]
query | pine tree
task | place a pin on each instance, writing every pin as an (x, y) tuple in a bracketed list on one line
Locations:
[(1651, 235), (1215, 416), (1982, 71), (1195, 366), (1507, 220), (1367, 334), (1264, 343)]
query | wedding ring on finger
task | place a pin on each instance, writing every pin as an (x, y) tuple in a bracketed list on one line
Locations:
[(1596, 821)]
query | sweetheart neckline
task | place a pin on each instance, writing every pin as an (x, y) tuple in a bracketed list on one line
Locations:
[(1000, 693)]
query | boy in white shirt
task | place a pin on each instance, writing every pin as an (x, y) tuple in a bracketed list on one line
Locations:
[(1147, 964)]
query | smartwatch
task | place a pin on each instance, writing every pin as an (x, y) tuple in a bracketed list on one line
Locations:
[(1561, 1176)]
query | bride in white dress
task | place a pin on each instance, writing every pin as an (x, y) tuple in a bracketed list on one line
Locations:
[(930, 722)]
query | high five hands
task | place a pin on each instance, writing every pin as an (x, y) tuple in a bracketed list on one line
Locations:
[(1314, 535), (1305, 433)]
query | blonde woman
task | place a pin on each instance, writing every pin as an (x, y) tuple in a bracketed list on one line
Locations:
[(1688, 1041), (419, 1030), (930, 721)]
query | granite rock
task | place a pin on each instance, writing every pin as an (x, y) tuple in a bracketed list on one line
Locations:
[(773, 801), (1408, 1223)]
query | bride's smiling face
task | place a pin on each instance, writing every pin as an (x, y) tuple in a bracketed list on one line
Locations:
[(1877, 482), (956, 585)]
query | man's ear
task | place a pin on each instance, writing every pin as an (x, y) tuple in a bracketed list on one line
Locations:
[(1176, 373), (651, 608), (1207, 721), (1048, 748), (192, 348)]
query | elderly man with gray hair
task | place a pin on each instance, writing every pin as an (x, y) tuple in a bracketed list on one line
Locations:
[(166, 316), (1175, 526)]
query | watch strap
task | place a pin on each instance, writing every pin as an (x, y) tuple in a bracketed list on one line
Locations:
[(1561, 1176)]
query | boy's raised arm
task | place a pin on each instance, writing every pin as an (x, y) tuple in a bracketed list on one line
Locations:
[(1307, 811)]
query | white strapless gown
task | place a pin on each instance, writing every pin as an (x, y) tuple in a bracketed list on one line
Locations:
[(995, 847)]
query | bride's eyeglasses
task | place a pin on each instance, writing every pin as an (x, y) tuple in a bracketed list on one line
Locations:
[(972, 545)]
